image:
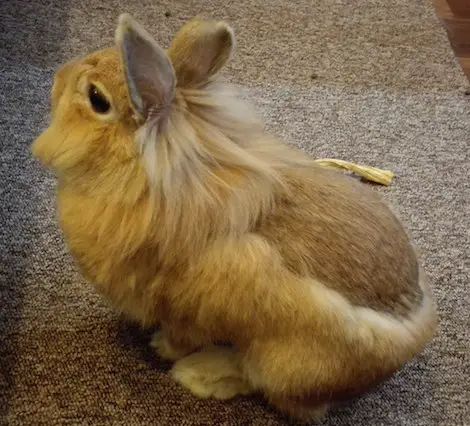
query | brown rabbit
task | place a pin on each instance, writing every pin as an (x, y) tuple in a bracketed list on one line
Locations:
[(184, 212)]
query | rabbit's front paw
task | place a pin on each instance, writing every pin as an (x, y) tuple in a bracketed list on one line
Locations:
[(164, 348), (213, 372)]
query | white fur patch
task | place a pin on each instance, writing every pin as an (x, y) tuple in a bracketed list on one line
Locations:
[(371, 328)]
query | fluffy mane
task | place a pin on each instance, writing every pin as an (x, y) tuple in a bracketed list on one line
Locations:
[(212, 169)]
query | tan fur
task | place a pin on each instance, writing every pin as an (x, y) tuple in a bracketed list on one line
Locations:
[(220, 232)]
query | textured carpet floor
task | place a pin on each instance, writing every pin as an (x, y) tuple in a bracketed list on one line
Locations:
[(371, 81)]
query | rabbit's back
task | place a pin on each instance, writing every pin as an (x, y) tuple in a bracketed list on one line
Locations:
[(337, 230)]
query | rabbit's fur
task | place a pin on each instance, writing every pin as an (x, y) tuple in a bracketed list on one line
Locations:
[(185, 213)]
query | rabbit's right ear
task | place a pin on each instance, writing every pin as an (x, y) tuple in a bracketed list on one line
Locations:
[(148, 72)]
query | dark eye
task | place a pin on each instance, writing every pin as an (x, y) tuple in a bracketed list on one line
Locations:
[(98, 101)]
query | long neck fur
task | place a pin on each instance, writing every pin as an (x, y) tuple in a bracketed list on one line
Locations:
[(212, 172)]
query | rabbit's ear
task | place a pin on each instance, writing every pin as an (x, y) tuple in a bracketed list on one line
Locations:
[(200, 49), (149, 74)]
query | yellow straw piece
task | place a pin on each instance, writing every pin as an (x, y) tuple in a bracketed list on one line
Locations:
[(373, 174)]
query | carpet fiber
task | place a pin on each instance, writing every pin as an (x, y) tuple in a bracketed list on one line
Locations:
[(368, 81)]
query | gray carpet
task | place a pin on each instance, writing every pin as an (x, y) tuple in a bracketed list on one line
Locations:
[(370, 81)]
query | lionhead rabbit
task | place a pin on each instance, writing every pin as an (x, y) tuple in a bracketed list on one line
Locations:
[(184, 212)]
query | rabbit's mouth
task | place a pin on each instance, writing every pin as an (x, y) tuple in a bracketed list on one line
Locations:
[(44, 148), (38, 149)]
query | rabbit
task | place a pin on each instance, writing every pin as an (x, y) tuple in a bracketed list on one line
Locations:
[(265, 272)]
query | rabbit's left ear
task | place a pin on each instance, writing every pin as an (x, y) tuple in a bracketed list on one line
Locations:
[(200, 49), (149, 75)]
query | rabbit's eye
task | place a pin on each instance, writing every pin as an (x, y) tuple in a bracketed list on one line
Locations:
[(98, 101)]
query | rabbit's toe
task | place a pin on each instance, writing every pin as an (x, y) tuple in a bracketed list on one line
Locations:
[(164, 348), (213, 372)]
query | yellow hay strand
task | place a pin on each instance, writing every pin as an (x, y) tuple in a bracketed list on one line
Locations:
[(373, 174)]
